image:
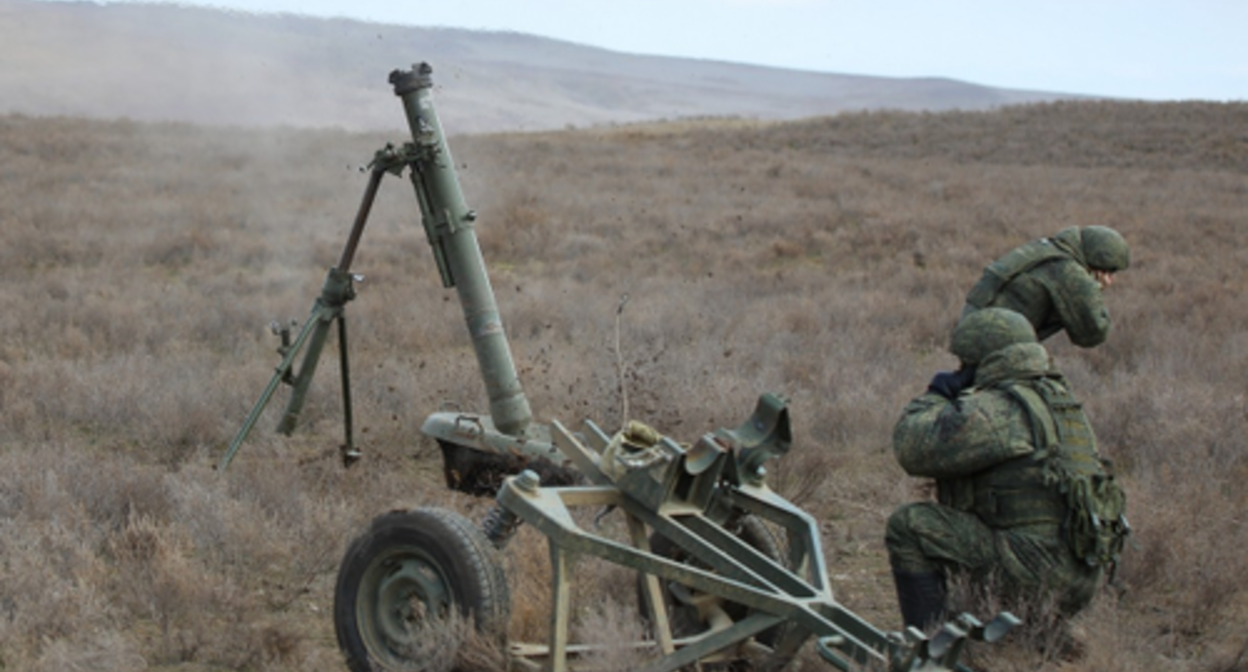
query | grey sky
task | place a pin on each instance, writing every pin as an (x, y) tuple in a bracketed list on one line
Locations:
[(1150, 49)]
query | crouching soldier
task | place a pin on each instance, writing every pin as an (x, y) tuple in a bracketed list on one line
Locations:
[(1022, 495), (1057, 282)]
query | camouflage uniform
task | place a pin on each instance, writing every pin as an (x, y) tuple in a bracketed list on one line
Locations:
[(1049, 281), (1017, 476)]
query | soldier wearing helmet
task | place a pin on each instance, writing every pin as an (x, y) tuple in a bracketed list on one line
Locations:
[(1022, 494), (1056, 283)]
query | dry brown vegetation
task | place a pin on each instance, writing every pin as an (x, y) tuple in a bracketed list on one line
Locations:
[(825, 260)]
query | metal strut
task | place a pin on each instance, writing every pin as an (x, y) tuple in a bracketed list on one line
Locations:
[(329, 307)]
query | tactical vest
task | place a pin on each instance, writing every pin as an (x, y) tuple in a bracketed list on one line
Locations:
[(999, 273), (1063, 483)]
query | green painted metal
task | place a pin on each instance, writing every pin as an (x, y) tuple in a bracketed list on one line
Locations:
[(666, 496), (449, 225)]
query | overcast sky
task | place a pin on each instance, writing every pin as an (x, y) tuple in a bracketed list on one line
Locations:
[(1149, 49)]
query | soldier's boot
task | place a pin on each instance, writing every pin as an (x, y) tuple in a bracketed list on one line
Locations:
[(922, 598)]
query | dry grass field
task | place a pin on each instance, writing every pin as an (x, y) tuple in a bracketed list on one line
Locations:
[(824, 259)]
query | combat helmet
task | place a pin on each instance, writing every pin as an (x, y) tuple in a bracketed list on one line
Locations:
[(986, 331), (1105, 249)]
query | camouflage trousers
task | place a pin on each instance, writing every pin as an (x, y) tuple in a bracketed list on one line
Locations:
[(1033, 561)]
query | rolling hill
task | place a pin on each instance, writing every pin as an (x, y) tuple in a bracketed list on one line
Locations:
[(161, 62)]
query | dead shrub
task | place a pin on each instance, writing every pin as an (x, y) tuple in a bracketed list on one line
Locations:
[(613, 630), (157, 581), (100, 651), (454, 644)]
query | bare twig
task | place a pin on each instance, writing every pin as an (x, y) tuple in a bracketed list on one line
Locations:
[(619, 361)]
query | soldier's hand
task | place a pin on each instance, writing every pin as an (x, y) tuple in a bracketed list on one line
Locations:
[(949, 384), (1103, 278)]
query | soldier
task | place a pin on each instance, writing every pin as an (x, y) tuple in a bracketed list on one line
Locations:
[(1056, 283), (1021, 492)]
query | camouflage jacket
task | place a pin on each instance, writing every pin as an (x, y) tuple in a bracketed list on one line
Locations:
[(1017, 450), (1049, 282), (982, 448)]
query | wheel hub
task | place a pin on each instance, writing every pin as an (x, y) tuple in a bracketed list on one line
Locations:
[(410, 594)]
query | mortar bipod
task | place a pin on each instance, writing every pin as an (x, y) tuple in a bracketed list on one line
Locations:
[(328, 308)]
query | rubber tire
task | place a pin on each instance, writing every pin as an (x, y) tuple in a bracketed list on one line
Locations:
[(753, 532), (433, 558)]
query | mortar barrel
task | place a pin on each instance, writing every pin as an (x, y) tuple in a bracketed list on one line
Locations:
[(453, 234)]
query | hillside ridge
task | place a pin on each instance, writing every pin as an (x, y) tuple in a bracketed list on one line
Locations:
[(157, 62)]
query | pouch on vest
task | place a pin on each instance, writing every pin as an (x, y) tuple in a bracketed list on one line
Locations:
[(1097, 525)]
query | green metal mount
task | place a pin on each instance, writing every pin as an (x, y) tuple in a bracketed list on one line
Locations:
[(689, 496)]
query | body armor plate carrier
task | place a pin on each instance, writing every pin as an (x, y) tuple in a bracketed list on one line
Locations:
[(1095, 524)]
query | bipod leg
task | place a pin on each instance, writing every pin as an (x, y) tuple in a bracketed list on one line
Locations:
[(279, 376), (327, 309), (561, 603), (655, 608), (335, 294), (361, 215), (349, 451)]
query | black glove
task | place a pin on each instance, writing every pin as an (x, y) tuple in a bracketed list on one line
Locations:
[(949, 383)]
